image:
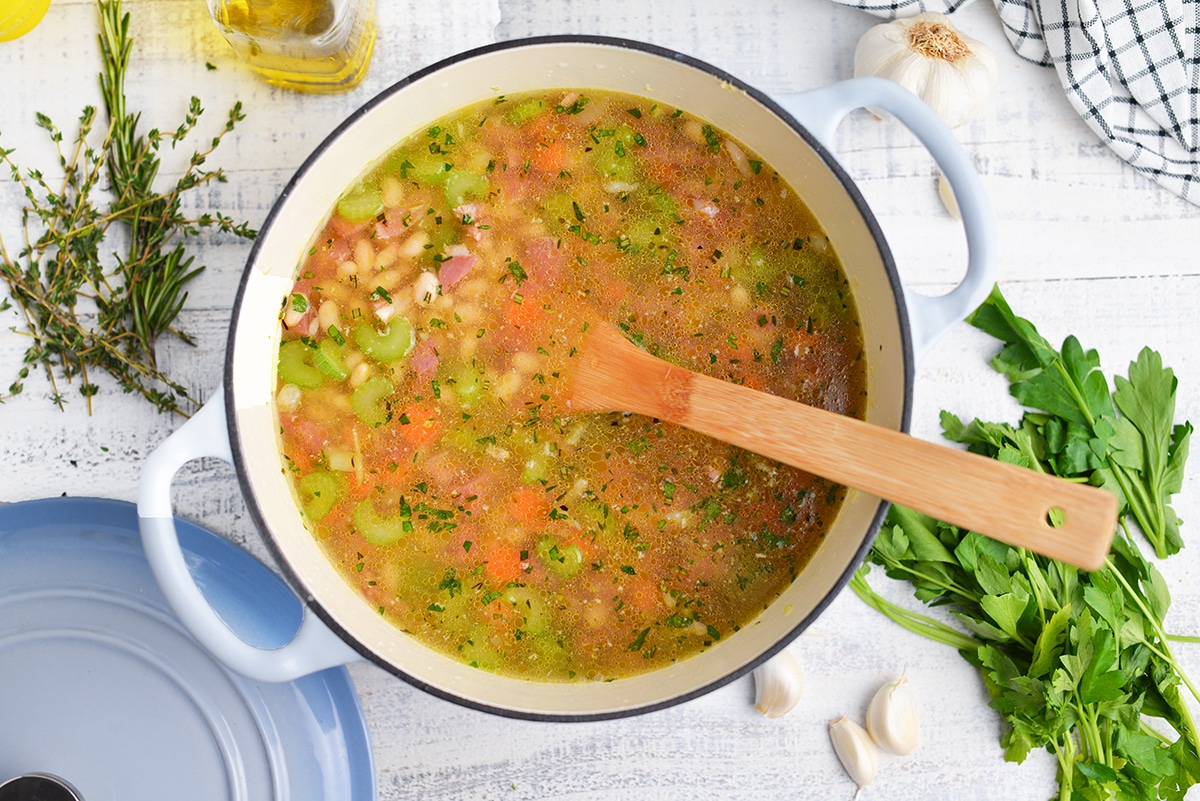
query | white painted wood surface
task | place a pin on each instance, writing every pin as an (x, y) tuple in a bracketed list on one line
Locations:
[(1089, 247)]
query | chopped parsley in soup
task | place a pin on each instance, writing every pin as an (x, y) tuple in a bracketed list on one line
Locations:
[(427, 340)]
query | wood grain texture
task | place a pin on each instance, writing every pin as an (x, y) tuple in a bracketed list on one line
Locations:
[(1089, 247), (1009, 503)]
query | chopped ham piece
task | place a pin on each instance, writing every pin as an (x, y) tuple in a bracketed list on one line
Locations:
[(392, 226), (471, 212), (544, 262), (424, 358), (453, 270)]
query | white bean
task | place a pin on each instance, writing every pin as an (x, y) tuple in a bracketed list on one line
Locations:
[(364, 255), (526, 362), (292, 315), (693, 130), (738, 156), (508, 384), (360, 373), (388, 279), (739, 295), (347, 269), (328, 316), (386, 257), (425, 288), (342, 461), (414, 245)]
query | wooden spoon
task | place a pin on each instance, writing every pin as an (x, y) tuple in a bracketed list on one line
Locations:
[(1009, 503)]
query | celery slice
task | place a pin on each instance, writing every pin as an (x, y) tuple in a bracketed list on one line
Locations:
[(296, 364), (394, 342), (328, 359), (463, 185), (361, 203), (562, 561), (524, 112), (319, 491), (377, 529), (367, 400), (532, 608)]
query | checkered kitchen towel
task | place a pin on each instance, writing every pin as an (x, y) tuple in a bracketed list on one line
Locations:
[(1131, 68)]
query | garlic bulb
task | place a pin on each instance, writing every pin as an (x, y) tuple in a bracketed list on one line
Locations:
[(855, 750), (951, 72), (892, 718), (778, 684)]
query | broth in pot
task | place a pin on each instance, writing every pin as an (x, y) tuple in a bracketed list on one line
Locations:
[(428, 337)]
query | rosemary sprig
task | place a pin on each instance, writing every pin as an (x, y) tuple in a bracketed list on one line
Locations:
[(137, 300)]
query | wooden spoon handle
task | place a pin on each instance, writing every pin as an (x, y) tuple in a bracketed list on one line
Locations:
[(1010, 503)]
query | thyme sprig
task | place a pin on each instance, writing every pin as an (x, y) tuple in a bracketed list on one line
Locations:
[(134, 300)]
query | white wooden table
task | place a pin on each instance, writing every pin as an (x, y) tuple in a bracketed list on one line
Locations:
[(1089, 247)]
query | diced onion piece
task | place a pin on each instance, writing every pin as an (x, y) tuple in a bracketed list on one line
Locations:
[(384, 310), (739, 157)]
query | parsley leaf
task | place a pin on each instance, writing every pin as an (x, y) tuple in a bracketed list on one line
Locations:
[(1074, 662)]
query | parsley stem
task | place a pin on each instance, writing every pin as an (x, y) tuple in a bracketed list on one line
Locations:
[(1165, 652), (913, 621)]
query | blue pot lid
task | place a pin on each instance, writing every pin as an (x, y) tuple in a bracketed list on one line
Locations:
[(101, 684)]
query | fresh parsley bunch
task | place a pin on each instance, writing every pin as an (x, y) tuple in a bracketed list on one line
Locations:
[(1078, 663)]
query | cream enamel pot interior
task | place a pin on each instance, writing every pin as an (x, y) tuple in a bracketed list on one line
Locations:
[(791, 133)]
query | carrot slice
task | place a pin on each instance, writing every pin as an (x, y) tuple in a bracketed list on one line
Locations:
[(502, 565), (424, 426), (530, 507), (550, 156), (524, 315)]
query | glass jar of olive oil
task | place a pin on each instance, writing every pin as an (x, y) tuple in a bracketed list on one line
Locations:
[(309, 45)]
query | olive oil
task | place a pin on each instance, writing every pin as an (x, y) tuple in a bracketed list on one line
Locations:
[(309, 45)]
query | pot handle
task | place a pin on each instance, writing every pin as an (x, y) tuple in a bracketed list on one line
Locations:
[(820, 111), (313, 648)]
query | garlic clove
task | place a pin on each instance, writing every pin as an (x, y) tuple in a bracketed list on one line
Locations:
[(946, 195), (953, 73), (854, 749), (778, 684), (892, 718)]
